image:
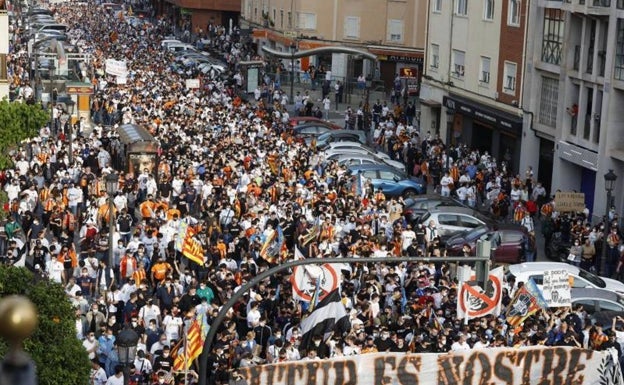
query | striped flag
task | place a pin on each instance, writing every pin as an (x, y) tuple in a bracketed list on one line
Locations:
[(190, 247), (272, 161), (194, 346), (328, 316), (312, 235)]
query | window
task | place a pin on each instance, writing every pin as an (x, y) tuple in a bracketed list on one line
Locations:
[(484, 75), (618, 70), (509, 85), (282, 18), (395, 30), (448, 220), (461, 7), (513, 15), (552, 40), (549, 97), (488, 9), (386, 175), (306, 20), (458, 63), (435, 56), (437, 5), (290, 25), (352, 27)]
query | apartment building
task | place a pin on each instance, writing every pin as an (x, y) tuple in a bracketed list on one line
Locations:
[(473, 85), (394, 30), (574, 83), (199, 14)]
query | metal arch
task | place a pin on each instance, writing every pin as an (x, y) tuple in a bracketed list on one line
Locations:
[(214, 326), (319, 50)]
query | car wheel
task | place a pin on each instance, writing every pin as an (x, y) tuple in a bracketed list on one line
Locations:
[(409, 193)]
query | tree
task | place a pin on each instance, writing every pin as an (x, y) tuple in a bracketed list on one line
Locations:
[(59, 356), (18, 121)]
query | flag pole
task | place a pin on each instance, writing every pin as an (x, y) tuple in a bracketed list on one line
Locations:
[(186, 328)]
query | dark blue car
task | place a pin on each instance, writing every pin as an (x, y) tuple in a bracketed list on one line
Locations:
[(391, 181)]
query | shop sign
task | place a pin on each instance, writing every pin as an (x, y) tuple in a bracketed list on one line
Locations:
[(500, 119)]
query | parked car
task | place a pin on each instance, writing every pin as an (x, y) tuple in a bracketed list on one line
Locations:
[(453, 220), (298, 120), (581, 278), (355, 159), (352, 147), (509, 242), (306, 132), (416, 207), (391, 181), (340, 136), (595, 300)]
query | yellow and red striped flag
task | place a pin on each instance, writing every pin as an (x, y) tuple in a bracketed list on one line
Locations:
[(192, 249), (193, 348)]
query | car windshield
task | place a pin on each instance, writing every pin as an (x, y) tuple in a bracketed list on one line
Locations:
[(593, 278)]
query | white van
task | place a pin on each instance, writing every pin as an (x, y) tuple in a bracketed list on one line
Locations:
[(177, 47), (165, 43)]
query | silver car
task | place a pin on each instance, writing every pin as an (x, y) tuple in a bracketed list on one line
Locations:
[(595, 300), (353, 159)]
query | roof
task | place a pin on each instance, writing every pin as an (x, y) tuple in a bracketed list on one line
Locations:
[(132, 133), (594, 293), (541, 266)]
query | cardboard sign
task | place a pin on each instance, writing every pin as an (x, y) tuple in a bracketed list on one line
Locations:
[(556, 288), (569, 202), (116, 67), (192, 83)]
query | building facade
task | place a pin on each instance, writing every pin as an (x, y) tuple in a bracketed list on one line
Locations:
[(575, 86), (393, 30), (473, 84), (200, 14)]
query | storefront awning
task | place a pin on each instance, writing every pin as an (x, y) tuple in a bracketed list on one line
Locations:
[(501, 119)]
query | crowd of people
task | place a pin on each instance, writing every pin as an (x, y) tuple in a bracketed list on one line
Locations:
[(230, 169)]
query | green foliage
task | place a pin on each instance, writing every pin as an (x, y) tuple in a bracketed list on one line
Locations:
[(58, 354), (18, 121)]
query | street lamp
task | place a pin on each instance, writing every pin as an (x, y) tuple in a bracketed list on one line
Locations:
[(70, 109), (112, 185), (609, 179), (127, 341), (293, 50)]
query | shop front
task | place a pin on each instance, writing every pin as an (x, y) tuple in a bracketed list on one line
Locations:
[(395, 62), (485, 128)]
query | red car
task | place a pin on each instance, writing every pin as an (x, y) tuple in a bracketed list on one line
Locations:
[(298, 120), (510, 242)]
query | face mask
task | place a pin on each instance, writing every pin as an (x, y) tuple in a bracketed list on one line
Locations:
[(134, 324), (91, 338), (165, 355), (161, 380), (317, 343)]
